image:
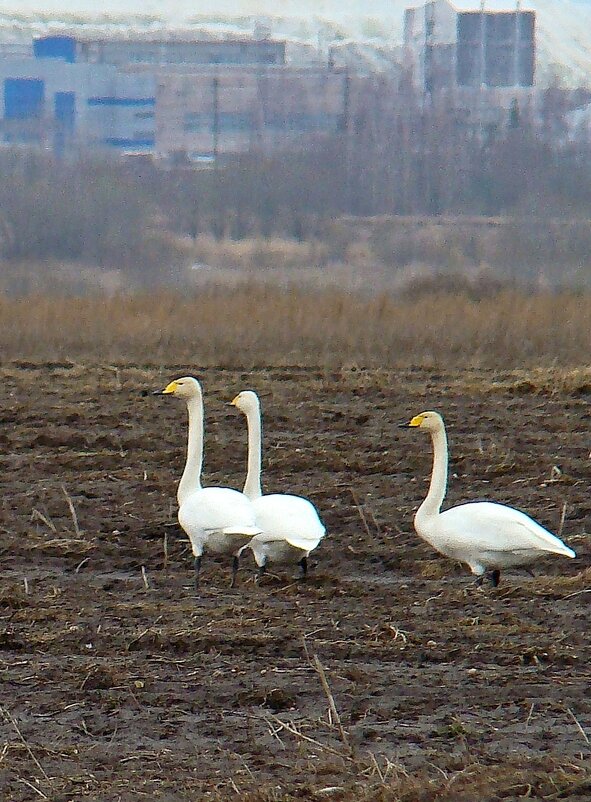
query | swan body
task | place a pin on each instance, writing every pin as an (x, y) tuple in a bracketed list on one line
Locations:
[(218, 520), (488, 537), (291, 527)]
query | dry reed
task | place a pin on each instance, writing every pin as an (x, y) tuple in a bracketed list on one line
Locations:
[(254, 324), (257, 253)]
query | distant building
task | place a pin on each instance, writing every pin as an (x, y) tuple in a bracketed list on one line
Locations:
[(68, 108), (214, 111), (70, 95), (462, 46), (201, 100)]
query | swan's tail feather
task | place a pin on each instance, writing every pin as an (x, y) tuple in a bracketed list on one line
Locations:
[(297, 541), (304, 543), (564, 550), (251, 531)]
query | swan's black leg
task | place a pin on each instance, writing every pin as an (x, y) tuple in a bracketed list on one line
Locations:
[(494, 576), (530, 572), (197, 566), (304, 567), (235, 566), (261, 572)]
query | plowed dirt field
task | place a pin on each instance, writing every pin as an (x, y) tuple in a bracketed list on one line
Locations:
[(118, 683)]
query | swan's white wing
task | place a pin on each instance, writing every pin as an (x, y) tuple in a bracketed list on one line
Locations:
[(290, 518), (489, 527), (216, 509)]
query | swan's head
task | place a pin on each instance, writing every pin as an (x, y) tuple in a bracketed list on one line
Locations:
[(246, 401), (431, 421), (185, 387)]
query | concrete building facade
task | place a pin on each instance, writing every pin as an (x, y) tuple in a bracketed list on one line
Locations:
[(159, 52), (207, 99), (67, 107), (465, 47), (225, 110), (201, 99)]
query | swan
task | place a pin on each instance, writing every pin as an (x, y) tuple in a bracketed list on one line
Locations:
[(486, 536), (290, 525), (216, 519)]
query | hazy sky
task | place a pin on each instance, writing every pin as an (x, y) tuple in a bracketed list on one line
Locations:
[(183, 8), (171, 9)]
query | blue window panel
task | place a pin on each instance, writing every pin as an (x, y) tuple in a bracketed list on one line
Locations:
[(228, 121), (121, 101), (63, 47), (303, 122), (198, 123), (23, 98), (65, 109), (234, 121), (120, 142), (64, 104)]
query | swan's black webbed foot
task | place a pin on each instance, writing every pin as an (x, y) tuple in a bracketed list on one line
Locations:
[(235, 566)]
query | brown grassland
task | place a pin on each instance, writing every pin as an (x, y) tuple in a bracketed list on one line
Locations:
[(244, 325), (387, 675)]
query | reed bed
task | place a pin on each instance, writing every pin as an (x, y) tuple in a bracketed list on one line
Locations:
[(257, 325), (257, 253)]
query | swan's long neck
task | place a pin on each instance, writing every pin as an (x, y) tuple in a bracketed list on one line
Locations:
[(252, 485), (191, 478), (434, 499)]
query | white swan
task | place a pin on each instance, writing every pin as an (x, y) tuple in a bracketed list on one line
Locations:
[(216, 519), (486, 536), (291, 526)]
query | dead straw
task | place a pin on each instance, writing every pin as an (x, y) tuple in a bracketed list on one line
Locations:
[(38, 515), (145, 578), (12, 721), (578, 725), (72, 511), (359, 509), (294, 731), (331, 702)]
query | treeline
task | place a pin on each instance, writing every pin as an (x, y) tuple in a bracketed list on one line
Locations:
[(397, 157), (88, 212), (393, 157)]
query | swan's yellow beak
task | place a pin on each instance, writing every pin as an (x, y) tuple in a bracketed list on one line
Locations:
[(170, 388), (416, 421), (234, 401)]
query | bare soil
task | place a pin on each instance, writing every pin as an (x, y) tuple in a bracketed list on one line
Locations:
[(118, 683)]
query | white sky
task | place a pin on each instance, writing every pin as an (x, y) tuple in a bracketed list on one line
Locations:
[(334, 9)]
